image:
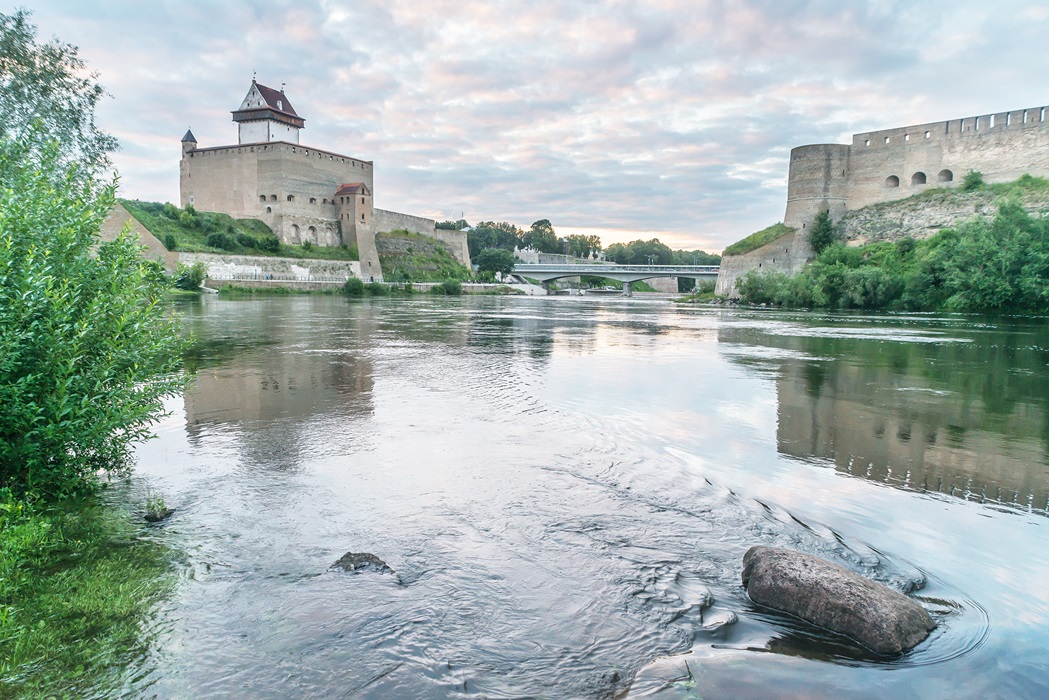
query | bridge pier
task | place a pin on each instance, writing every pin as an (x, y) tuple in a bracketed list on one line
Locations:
[(628, 289), (546, 286)]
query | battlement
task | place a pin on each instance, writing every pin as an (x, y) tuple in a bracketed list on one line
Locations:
[(967, 127), (280, 146)]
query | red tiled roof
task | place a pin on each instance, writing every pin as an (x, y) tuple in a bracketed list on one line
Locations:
[(272, 97), (351, 188)]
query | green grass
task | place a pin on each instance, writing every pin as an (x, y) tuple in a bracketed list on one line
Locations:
[(412, 257), (188, 231), (756, 240), (77, 584)]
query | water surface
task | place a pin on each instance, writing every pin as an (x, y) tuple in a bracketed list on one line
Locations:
[(566, 488)]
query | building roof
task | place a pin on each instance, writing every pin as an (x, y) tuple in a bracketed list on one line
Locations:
[(276, 100), (352, 188), (189, 137)]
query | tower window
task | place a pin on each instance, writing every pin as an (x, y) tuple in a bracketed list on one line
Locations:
[(291, 198), (362, 216), (362, 200), (262, 198)]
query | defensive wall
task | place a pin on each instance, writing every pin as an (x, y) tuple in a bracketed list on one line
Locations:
[(118, 218), (240, 269), (892, 164), (386, 221)]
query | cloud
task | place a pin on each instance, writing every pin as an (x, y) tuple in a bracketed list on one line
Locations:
[(666, 116)]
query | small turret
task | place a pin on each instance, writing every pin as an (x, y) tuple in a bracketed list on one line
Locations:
[(189, 141)]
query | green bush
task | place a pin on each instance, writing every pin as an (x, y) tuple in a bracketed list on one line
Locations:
[(973, 181), (170, 211), (269, 244), (378, 289), (354, 287), (170, 242), (246, 241), (190, 277), (220, 240), (452, 288), (306, 245), (87, 354)]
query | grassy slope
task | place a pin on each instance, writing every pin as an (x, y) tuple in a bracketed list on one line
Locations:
[(758, 239), (190, 233), (412, 257)]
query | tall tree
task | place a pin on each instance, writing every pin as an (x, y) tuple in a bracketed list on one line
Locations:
[(542, 237), (48, 96)]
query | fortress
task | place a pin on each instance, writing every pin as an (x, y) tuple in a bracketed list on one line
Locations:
[(892, 164), (302, 193)]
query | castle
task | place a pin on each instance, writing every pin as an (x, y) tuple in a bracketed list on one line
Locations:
[(303, 194), (882, 166)]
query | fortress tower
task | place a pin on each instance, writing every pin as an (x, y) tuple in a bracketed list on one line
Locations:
[(302, 193)]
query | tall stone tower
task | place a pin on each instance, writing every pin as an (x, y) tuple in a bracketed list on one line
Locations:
[(266, 115)]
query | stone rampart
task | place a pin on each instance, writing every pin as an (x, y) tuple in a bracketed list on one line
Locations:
[(385, 221), (786, 254), (118, 218), (243, 268)]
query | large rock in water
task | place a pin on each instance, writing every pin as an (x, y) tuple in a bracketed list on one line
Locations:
[(362, 561), (830, 596)]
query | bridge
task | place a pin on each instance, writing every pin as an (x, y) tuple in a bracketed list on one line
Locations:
[(627, 274)]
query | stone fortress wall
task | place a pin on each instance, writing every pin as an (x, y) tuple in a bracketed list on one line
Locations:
[(889, 165)]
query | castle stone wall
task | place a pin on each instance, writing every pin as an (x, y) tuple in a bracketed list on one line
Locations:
[(246, 267), (118, 218), (787, 255), (455, 240)]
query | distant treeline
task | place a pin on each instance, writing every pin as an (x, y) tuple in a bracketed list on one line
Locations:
[(542, 237), (999, 264)]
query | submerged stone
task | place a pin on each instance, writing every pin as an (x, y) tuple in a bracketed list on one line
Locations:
[(835, 598), (362, 561)]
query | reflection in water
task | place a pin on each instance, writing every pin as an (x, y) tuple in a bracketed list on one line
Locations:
[(962, 415), (566, 488)]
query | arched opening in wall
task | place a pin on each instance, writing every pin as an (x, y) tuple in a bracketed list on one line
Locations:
[(273, 198), (294, 233), (269, 210), (918, 178), (313, 200), (262, 198), (892, 181), (291, 198), (945, 176), (311, 233)]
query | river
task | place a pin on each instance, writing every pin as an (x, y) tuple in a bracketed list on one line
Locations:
[(565, 488)]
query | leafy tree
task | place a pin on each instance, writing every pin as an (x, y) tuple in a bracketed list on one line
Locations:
[(489, 234), (582, 246), (190, 277), (495, 260), (452, 225), (542, 237), (48, 96), (640, 253), (822, 233)]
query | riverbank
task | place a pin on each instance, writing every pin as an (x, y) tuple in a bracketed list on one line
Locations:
[(77, 584)]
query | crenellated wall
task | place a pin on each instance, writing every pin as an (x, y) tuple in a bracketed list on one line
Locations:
[(891, 164)]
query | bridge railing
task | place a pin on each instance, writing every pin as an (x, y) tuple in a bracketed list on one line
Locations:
[(597, 270)]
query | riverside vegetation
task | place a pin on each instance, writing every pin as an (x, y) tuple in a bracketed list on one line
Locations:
[(986, 264), (87, 356)]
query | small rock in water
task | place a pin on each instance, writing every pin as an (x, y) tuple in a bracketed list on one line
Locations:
[(362, 561), (155, 516), (712, 623), (830, 596)]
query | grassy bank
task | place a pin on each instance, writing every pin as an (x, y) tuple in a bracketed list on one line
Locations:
[(77, 581), (997, 265)]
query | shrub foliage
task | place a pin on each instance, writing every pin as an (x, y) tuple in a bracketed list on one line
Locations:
[(86, 353)]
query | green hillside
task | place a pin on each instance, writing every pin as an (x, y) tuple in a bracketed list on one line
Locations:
[(412, 257), (758, 239), (193, 231)]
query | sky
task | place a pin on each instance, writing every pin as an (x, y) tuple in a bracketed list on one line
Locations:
[(658, 118)]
